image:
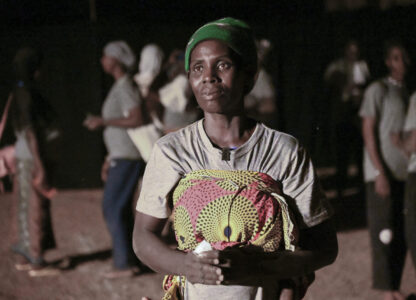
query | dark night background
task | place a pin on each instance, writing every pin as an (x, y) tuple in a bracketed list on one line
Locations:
[(306, 37)]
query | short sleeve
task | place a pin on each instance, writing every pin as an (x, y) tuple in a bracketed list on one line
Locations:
[(160, 178), (371, 104), (128, 96), (410, 122), (302, 185)]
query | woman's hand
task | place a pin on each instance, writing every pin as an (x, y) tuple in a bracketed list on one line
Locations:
[(382, 185), (240, 267), (39, 176), (93, 122), (397, 140), (104, 170), (203, 268), (40, 184)]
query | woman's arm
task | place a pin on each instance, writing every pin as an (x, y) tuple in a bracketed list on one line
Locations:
[(155, 253), (34, 150), (410, 141), (133, 119), (318, 248), (382, 185), (39, 176)]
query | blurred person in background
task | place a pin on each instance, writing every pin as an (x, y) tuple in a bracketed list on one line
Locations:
[(407, 142), (34, 123), (345, 80), (383, 112), (260, 103), (172, 90), (150, 66), (121, 169), (168, 100)]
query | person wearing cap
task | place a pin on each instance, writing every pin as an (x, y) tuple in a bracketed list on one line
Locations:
[(247, 206), (121, 168)]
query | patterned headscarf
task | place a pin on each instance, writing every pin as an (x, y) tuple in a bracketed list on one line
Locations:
[(235, 33)]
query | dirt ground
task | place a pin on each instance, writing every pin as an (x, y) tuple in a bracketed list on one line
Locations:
[(82, 237)]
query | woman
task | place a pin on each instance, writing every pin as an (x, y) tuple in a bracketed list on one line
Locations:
[(150, 65), (406, 141), (121, 168), (383, 112), (151, 59), (246, 262), (33, 120)]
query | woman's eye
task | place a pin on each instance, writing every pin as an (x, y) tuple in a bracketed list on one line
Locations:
[(223, 66), (197, 68)]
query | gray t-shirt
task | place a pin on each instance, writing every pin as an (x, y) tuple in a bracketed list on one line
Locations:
[(409, 125), (122, 97), (386, 101), (267, 151)]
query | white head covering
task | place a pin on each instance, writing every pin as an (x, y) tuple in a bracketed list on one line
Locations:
[(151, 59), (122, 52)]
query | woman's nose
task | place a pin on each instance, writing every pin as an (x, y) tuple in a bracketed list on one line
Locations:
[(210, 76)]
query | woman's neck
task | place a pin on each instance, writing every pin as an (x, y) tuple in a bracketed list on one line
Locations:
[(396, 80), (228, 131), (118, 73), (397, 76)]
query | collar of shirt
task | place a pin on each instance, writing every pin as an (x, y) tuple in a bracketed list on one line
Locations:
[(394, 82)]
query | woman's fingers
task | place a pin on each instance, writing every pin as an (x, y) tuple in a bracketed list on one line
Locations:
[(209, 257), (202, 269), (210, 254), (211, 275), (93, 122), (208, 278)]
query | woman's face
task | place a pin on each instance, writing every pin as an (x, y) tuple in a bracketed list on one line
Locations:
[(216, 80), (108, 63), (396, 62)]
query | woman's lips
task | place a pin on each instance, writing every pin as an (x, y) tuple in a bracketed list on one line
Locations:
[(212, 94)]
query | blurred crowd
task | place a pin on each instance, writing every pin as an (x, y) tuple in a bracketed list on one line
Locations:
[(378, 116), (373, 128)]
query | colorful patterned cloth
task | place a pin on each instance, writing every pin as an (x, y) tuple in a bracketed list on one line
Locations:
[(230, 209)]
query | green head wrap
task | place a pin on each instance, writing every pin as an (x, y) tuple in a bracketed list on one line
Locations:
[(235, 33)]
